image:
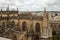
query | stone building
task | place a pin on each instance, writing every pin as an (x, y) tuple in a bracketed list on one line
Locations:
[(37, 25)]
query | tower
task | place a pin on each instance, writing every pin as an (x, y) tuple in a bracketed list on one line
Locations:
[(17, 8), (45, 25), (7, 9)]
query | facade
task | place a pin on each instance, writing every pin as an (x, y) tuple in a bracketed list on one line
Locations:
[(27, 25)]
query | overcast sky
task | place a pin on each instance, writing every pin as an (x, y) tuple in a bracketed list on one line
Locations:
[(31, 5)]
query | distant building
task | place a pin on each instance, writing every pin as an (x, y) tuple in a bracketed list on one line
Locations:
[(38, 25)]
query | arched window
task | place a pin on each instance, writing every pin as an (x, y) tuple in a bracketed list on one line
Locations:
[(59, 25), (12, 23), (51, 15), (24, 27), (51, 25), (54, 25), (3, 24), (37, 28), (56, 14)]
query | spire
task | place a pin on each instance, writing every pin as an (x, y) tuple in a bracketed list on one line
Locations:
[(7, 9), (45, 13), (17, 8), (44, 10), (1, 9)]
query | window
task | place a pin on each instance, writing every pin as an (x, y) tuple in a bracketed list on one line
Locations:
[(24, 27), (3, 24), (51, 25), (53, 32), (54, 25), (0, 17), (12, 23), (37, 28), (59, 25), (56, 14)]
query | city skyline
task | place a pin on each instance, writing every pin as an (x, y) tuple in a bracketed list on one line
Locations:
[(31, 5)]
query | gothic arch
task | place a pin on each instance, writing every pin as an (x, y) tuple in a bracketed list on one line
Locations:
[(37, 27), (24, 27)]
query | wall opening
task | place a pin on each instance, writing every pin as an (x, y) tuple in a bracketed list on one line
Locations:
[(37, 28), (24, 27)]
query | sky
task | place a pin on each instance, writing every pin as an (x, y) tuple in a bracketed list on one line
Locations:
[(31, 5)]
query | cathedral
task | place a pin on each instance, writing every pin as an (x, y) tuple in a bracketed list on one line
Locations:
[(35, 25)]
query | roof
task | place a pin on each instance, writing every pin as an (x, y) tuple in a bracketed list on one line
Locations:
[(8, 12)]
